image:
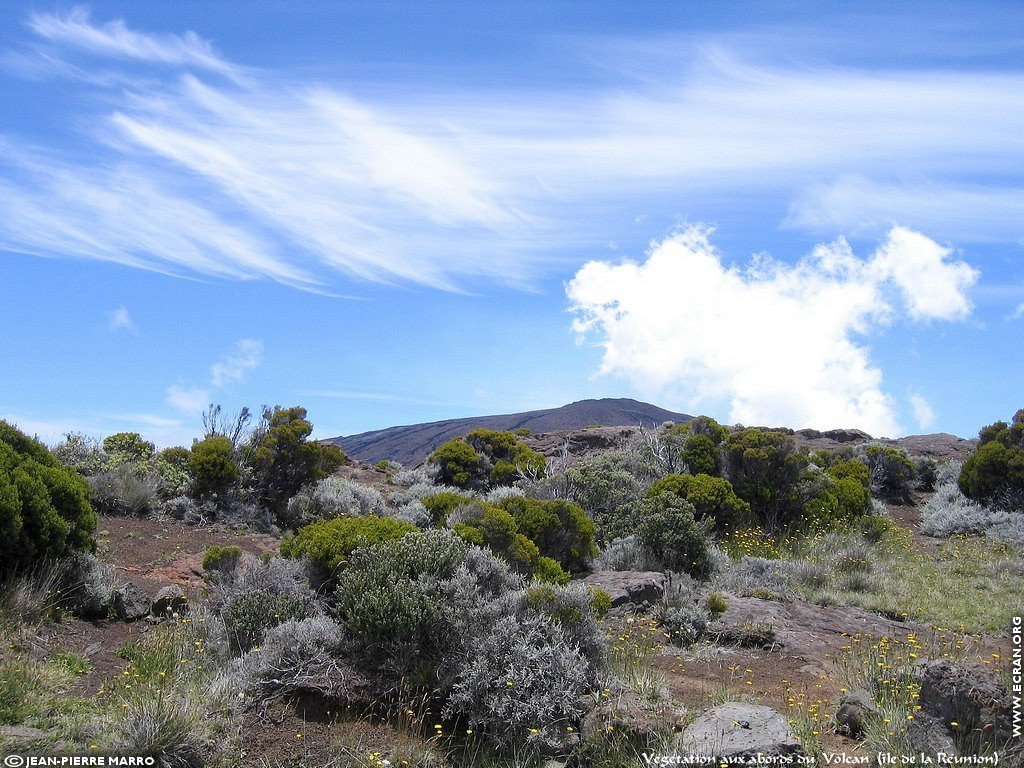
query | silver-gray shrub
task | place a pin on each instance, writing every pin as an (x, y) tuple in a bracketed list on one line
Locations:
[(950, 513), (751, 574), (166, 727), (124, 490), (333, 497), (680, 614), (571, 607), (521, 682), (87, 585), (626, 554), (296, 656), (258, 595)]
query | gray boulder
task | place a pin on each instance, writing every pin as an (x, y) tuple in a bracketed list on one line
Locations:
[(855, 709), (129, 603), (738, 731), (170, 599), (927, 735), (972, 697), (636, 587)]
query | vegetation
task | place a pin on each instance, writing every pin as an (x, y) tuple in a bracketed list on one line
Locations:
[(484, 459), (329, 543), (994, 474), (44, 507)]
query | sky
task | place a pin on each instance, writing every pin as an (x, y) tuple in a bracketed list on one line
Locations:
[(775, 214)]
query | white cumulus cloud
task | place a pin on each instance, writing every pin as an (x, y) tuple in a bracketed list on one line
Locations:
[(779, 343)]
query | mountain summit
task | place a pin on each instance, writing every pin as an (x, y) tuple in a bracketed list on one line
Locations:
[(412, 444)]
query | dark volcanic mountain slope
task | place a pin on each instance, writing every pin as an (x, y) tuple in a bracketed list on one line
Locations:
[(412, 444)]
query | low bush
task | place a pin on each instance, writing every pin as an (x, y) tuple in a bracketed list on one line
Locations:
[(603, 485), (521, 683), (126, 489), (950, 513), (669, 531), (87, 585), (329, 543), (249, 614), (217, 558), (484, 459), (44, 506), (712, 498), (164, 727), (892, 471), (766, 470), (332, 496)]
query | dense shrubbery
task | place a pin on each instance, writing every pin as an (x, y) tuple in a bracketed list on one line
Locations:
[(603, 486), (950, 513), (213, 466), (332, 497), (892, 471), (560, 529), (438, 614), (669, 531), (283, 459), (994, 474), (486, 458), (765, 470), (712, 498), (44, 507), (328, 543)]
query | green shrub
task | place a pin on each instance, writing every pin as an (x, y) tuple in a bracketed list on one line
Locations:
[(283, 458), (669, 531), (559, 528), (716, 605), (484, 459), (892, 471), (249, 614), (213, 467), (492, 526), (700, 454), (175, 456), (329, 543), (128, 448), (440, 505), (994, 474), (217, 558), (602, 602), (765, 470), (44, 507), (712, 498)]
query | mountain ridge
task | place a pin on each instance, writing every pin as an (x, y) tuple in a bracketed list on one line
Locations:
[(411, 444)]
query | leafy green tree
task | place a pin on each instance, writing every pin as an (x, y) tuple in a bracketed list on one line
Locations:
[(994, 474), (213, 467), (284, 459), (44, 506)]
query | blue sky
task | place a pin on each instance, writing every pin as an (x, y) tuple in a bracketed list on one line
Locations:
[(398, 212)]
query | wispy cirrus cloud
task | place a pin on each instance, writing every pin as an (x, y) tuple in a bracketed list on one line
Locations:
[(271, 175), (76, 29)]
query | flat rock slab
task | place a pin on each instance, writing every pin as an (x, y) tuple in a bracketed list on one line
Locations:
[(805, 629), (737, 731), (635, 587)]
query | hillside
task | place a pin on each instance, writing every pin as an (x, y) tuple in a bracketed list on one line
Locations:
[(410, 445)]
